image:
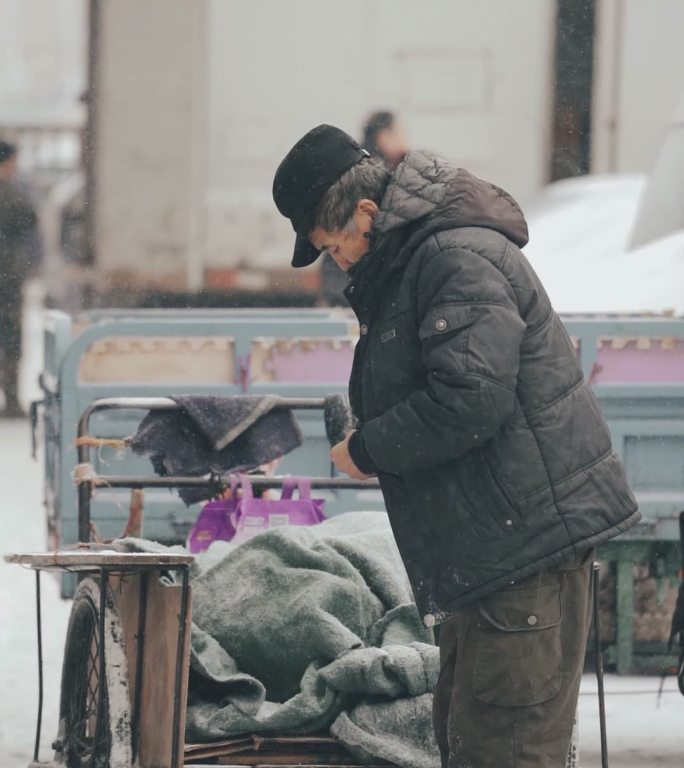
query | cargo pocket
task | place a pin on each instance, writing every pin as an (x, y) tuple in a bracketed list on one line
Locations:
[(444, 334), (445, 320), (518, 653)]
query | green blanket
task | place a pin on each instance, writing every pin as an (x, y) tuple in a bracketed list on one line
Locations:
[(300, 630)]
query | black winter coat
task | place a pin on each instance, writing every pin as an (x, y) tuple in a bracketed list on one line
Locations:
[(492, 455)]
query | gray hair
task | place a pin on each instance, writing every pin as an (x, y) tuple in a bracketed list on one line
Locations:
[(365, 180)]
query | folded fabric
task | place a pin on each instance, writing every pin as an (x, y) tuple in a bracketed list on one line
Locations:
[(399, 731), (215, 434), (301, 630)]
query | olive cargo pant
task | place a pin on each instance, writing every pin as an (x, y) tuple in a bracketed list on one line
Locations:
[(510, 669)]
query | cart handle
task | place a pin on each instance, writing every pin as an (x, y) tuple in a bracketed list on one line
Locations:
[(204, 481)]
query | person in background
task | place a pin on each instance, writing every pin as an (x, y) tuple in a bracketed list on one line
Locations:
[(495, 463), (384, 137), (18, 255)]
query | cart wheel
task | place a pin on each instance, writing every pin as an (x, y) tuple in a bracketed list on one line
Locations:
[(95, 723)]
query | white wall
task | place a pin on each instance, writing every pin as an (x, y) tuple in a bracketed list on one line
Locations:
[(639, 81), (200, 100), (42, 60), (151, 143), (471, 81)]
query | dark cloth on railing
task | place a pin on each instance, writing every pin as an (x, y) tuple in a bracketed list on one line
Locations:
[(215, 434)]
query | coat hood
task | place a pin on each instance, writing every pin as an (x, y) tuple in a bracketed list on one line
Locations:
[(426, 187)]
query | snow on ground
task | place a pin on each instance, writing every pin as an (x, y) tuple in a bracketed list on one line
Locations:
[(23, 529), (641, 733)]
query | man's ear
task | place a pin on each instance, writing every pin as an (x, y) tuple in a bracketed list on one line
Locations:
[(367, 207)]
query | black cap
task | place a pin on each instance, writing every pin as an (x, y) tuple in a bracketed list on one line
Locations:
[(309, 169)]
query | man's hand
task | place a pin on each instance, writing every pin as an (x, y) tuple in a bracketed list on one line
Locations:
[(339, 455)]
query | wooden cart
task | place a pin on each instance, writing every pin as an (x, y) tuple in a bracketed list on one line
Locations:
[(126, 661)]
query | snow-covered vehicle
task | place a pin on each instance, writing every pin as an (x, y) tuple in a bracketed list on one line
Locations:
[(614, 244)]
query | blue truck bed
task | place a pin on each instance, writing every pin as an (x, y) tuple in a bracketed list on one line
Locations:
[(635, 364)]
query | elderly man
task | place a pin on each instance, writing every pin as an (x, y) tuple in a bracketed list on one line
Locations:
[(495, 464)]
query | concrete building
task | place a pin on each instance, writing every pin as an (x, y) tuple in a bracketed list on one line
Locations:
[(193, 105)]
